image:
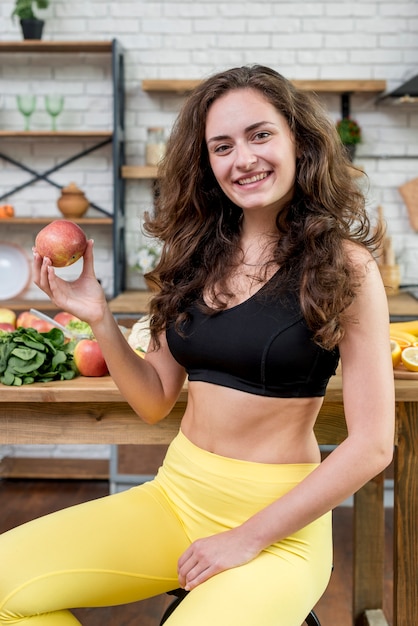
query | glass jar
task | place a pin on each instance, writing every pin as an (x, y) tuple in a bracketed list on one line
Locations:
[(155, 148)]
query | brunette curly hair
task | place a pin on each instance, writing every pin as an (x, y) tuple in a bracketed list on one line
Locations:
[(200, 227)]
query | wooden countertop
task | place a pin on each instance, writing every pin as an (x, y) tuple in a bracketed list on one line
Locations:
[(133, 302), (403, 304), (103, 389)]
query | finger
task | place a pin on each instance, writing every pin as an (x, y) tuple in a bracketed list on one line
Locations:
[(41, 274), (196, 576), (88, 260), (183, 570), (37, 263)]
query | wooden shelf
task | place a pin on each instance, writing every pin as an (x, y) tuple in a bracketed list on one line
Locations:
[(139, 171), (20, 304), (144, 172), (97, 221), (319, 86), (59, 134), (56, 46)]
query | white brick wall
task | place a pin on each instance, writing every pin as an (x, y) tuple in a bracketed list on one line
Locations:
[(190, 39)]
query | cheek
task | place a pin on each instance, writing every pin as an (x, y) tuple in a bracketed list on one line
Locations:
[(219, 168)]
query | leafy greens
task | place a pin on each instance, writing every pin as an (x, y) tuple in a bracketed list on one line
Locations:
[(28, 356)]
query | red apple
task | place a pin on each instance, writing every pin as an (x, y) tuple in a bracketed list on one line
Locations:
[(42, 326), (7, 327), (88, 358), (62, 241), (7, 316), (26, 319), (63, 318)]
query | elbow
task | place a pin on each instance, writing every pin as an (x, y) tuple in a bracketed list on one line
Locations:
[(150, 418), (383, 457), (387, 456), (154, 414)]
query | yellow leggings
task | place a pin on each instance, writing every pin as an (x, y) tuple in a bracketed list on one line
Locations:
[(124, 547)]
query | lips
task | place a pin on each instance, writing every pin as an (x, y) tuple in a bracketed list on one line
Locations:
[(252, 179)]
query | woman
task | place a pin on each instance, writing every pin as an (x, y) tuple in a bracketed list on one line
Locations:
[(266, 280)]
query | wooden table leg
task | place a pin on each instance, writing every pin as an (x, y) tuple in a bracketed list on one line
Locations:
[(369, 546), (405, 533)]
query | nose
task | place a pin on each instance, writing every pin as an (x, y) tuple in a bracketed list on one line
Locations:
[(245, 157)]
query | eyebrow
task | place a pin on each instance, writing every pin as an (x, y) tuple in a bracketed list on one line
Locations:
[(247, 130)]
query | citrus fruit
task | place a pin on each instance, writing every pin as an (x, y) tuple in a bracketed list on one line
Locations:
[(410, 358), (402, 343), (396, 352)]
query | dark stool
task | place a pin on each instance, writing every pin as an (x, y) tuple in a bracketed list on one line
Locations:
[(180, 594)]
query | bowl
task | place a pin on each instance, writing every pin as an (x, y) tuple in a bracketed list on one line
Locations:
[(15, 271)]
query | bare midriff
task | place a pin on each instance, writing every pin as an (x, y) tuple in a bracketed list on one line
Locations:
[(249, 427)]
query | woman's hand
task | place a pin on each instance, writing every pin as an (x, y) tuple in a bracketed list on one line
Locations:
[(83, 297), (212, 555)]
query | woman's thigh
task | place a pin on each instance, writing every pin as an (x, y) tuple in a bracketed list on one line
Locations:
[(116, 549), (269, 590)]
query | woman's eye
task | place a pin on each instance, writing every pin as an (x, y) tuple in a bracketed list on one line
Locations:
[(222, 148), (262, 135)]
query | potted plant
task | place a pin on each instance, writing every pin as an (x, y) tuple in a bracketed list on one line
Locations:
[(350, 134), (31, 25)]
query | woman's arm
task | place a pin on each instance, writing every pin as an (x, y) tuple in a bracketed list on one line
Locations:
[(151, 385), (368, 391)]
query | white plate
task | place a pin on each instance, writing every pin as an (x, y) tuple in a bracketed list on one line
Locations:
[(15, 271)]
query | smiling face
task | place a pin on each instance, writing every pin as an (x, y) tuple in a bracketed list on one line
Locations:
[(251, 150)]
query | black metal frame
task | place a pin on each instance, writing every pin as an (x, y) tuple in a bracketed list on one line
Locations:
[(117, 139), (118, 154), (180, 594)]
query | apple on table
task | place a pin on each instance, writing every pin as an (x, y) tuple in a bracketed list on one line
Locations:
[(64, 318), (88, 358), (9, 328), (7, 316), (26, 319)]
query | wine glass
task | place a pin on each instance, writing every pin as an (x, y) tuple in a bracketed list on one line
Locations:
[(26, 105), (54, 105)]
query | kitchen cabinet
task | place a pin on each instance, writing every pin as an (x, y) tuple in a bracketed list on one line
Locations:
[(94, 139)]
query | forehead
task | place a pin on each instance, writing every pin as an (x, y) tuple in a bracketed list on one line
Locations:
[(240, 107)]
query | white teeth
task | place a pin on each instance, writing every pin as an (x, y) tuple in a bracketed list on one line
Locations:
[(253, 179)]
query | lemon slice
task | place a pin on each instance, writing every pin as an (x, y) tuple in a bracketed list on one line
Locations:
[(396, 352), (410, 358), (403, 343)]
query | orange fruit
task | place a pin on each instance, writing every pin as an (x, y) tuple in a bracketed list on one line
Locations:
[(403, 343), (396, 352), (410, 358)]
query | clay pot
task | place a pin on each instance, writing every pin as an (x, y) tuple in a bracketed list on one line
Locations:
[(72, 203)]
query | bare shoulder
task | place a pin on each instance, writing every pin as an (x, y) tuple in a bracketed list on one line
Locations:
[(370, 293), (358, 255), (362, 263)]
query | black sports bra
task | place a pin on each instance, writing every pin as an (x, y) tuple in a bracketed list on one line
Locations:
[(261, 346)]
